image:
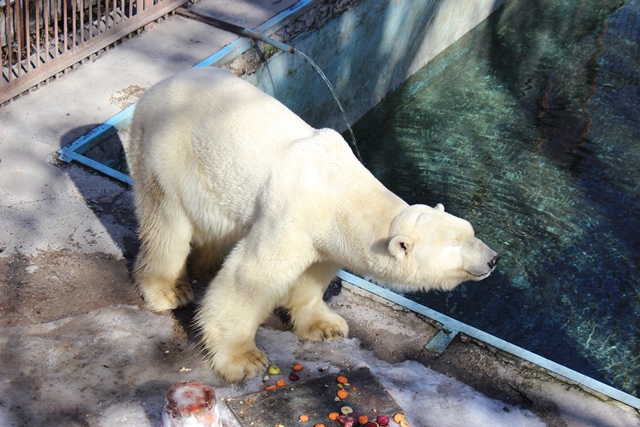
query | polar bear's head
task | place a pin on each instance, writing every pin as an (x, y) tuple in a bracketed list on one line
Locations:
[(434, 249)]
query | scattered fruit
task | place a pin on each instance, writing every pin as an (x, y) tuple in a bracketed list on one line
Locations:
[(298, 367), (346, 410), (363, 419), (294, 377), (404, 423), (398, 417), (348, 420), (383, 420), (342, 394), (273, 370)]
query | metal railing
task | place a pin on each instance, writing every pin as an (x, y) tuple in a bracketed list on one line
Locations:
[(40, 38)]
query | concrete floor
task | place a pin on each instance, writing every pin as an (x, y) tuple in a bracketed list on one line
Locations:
[(76, 346)]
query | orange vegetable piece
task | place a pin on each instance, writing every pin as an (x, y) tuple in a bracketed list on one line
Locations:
[(303, 418), (342, 394), (271, 387), (298, 367), (281, 383), (319, 425), (398, 417), (342, 379), (363, 419), (334, 416)]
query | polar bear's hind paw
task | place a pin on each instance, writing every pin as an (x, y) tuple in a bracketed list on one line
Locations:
[(161, 298), (324, 329)]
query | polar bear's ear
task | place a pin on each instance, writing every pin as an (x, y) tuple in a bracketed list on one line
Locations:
[(440, 207), (400, 245)]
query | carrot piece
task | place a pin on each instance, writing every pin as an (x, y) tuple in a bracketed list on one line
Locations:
[(334, 416), (342, 380), (271, 387), (363, 419), (342, 394), (298, 367), (303, 418), (281, 383), (319, 425), (398, 417)]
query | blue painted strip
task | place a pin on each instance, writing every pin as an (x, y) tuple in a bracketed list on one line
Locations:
[(455, 325), (97, 134), (100, 167), (441, 341), (241, 45)]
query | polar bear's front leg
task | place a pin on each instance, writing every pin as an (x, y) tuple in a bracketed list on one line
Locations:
[(228, 320), (310, 316)]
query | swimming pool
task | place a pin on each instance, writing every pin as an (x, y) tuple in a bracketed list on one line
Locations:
[(528, 127)]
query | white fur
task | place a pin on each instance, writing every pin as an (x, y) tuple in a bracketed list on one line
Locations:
[(226, 170)]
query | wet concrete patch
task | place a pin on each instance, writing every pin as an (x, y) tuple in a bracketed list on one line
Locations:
[(315, 399)]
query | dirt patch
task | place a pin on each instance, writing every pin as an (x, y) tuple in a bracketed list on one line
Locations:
[(59, 284)]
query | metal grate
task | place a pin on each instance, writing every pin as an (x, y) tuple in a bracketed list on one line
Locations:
[(40, 38)]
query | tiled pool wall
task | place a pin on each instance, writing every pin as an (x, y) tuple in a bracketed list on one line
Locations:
[(366, 49)]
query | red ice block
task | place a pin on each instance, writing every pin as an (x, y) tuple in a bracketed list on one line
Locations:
[(191, 404)]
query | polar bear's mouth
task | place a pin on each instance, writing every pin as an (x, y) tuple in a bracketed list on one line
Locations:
[(479, 275)]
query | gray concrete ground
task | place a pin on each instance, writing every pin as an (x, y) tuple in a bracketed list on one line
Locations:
[(78, 348)]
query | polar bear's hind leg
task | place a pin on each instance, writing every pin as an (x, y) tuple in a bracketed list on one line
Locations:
[(160, 272)]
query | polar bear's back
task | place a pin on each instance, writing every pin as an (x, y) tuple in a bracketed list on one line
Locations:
[(205, 129)]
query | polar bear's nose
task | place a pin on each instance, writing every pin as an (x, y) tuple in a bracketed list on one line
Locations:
[(492, 264)]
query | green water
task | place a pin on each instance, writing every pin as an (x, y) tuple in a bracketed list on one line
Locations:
[(529, 127)]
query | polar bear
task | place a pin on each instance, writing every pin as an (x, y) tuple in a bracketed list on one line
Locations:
[(227, 173)]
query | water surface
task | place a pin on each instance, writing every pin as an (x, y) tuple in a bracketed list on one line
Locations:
[(529, 128)]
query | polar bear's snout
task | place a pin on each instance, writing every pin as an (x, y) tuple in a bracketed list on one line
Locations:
[(478, 259), (494, 262)]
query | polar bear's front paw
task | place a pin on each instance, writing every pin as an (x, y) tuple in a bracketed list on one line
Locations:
[(240, 366), (328, 327), (167, 297)]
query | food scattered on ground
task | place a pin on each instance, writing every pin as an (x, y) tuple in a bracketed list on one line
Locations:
[(383, 420), (347, 417), (342, 380), (273, 370), (342, 394)]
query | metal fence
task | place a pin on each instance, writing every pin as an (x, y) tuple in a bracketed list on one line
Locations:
[(40, 38)]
